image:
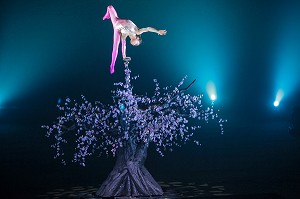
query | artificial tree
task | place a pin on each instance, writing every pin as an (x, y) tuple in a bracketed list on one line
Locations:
[(126, 128)]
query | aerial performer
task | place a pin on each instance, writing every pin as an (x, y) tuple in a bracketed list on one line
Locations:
[(124, 28)]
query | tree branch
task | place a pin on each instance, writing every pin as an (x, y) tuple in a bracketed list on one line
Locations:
[(180, 91)]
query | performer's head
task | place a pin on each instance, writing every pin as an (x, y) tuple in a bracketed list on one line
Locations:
[(136, 41)]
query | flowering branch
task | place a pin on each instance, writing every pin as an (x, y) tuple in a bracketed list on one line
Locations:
[(162, 119)]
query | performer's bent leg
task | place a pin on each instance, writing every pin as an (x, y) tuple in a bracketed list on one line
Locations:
[(110, 14)]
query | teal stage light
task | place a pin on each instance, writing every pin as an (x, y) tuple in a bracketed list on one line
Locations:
[(35, 45), (210, 50), (278, 98), (211, 90), (286, 55), (2, 100), (213, 97)]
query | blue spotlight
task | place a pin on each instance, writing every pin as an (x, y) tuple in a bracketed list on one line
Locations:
[(211, 90), (278, 98), (213, 97)]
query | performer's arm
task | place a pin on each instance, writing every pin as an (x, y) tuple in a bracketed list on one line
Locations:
[(124, 47), (150, 29)]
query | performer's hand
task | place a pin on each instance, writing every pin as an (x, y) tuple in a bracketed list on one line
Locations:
[(162, 32), (127, 59)]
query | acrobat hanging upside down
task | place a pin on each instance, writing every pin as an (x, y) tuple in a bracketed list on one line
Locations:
[(122, 29)]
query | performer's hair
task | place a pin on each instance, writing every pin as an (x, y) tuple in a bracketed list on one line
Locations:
[(140, 38)]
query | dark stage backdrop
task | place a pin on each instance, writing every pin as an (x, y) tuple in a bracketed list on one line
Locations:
[(249, 50)]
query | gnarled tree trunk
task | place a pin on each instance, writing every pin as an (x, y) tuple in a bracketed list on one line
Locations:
[(129, 176)]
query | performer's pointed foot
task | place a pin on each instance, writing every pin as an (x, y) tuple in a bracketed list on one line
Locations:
[(106, 16), (112, 70)]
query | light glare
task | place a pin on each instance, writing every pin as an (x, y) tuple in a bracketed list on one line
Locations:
[(213, 97), (279, 97), (211, 90)]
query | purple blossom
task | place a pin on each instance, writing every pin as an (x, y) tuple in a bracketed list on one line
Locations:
[(97, 128)]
